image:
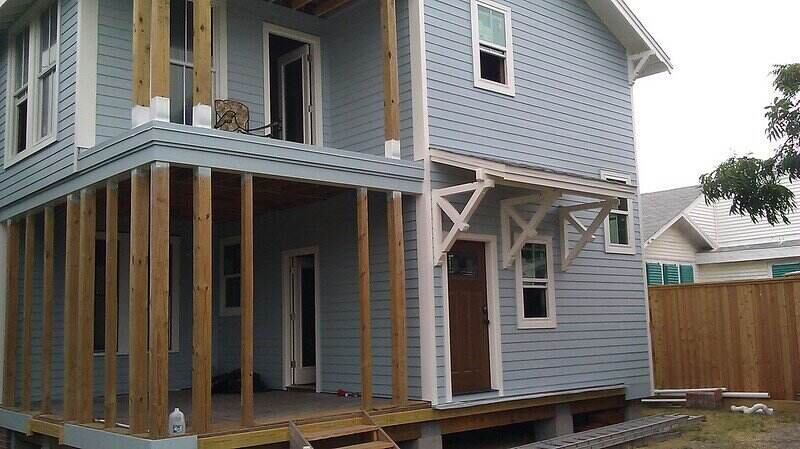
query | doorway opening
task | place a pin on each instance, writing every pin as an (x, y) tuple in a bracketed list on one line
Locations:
[(301, 318), (292, 86)]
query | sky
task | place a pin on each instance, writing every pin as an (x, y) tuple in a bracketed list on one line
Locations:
[(712, 105)]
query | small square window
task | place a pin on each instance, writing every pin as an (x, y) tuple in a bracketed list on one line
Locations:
[(492, 48), (536, 292)]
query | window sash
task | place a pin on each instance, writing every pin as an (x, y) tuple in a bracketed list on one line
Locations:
[(496, 32)]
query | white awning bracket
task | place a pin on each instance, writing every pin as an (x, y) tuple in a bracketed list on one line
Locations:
[(510, 217), (586, 233), (443, 239), (637, 63)]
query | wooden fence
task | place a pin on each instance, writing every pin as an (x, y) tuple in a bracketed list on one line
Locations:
[(741, 335)]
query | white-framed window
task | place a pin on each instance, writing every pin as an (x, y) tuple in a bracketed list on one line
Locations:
[(536, 297), (32, 85), (123, 283), (492, 47), (619, 237), (231, 276), (182, 57)]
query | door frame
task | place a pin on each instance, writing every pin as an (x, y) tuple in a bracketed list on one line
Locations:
[(493, 304), (288, 330), (316, 73)]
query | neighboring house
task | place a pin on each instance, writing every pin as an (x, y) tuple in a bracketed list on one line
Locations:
[(687, 240), (442, 218)]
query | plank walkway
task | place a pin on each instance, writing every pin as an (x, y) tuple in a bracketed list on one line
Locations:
[(616, 434)]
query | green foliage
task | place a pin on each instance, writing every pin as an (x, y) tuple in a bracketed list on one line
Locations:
[(753, 184)]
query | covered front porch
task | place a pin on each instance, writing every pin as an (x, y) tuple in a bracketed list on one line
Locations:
[(206, 268)]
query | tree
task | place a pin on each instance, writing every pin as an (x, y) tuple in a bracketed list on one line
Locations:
[(753, 184)]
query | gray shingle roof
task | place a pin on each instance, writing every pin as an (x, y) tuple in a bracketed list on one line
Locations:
[(658, 208)]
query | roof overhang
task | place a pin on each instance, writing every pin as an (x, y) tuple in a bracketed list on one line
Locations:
[(535, 178), (629, 30), (12, 10), (748, 255), (690, 229)]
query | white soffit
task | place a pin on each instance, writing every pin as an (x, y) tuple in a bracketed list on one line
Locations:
[(629, 30)]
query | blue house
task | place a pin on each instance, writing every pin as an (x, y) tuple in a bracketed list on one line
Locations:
[(319, 223)]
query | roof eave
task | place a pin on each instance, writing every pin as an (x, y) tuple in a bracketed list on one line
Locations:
[(629, 30)]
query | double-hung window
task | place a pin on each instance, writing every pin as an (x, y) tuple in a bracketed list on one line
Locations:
[(32, 89), (619, 224), (182, 57), (536, 300), (492, 50), (231, 276)]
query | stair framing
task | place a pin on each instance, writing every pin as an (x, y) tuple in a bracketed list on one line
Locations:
[(356, 432)]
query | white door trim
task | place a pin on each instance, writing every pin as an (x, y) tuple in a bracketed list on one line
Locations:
[(316, 73), (493, 303), (286, 271)]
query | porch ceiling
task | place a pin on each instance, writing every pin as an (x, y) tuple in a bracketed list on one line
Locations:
[(314, 7)]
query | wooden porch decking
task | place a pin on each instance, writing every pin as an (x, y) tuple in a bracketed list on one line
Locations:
[(270, 408)]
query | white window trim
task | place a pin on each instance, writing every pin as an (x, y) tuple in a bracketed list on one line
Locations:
[(223, 310), (31, 20), (614, 248), (123, 332), (537, 323), (505, 89)]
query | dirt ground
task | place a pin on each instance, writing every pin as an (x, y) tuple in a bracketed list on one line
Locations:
[(725, 430)]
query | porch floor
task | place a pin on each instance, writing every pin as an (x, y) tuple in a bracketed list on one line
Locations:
[(271, 407)]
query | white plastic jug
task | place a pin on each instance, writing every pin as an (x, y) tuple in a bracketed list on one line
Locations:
[(177, 422)]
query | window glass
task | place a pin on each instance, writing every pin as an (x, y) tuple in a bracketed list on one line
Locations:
[(21, 60), (492, 26), (535, 281), (618, 228), (231, 271)]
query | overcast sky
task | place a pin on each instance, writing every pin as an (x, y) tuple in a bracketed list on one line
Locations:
[(711, 106)]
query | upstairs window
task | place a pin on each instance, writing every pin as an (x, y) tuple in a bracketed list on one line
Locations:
[(536, 300), (181, 30), (619, 224), (493, 62), (32, 87)]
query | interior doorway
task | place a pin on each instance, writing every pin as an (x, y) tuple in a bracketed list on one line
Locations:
[(301, 318), (292, 85)]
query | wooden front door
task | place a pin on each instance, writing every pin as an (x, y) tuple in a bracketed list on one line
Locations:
[(469, 318)]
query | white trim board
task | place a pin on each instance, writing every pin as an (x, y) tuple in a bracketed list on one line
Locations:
[(286, 295), (493, 304), (316, 69), (748, 255), (86, 75)]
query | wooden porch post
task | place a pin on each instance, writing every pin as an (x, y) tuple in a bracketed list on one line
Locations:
[(137, 324), (47, 306), (112, 303), (159, 60), (141, 62), (391, 115), (201, 112), (12, 300), (202, 309), (27, 308), (247, 300), (362, 216), (71, 271), (159, 298), (86, 293)]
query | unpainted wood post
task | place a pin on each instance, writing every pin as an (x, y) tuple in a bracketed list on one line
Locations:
[(86, 278), (159, 299), (12, 301), (202, 307), (112, 303), (47, 306), (247, 300), (362, 218), (27, 308), (138, 299), (71, 272)]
